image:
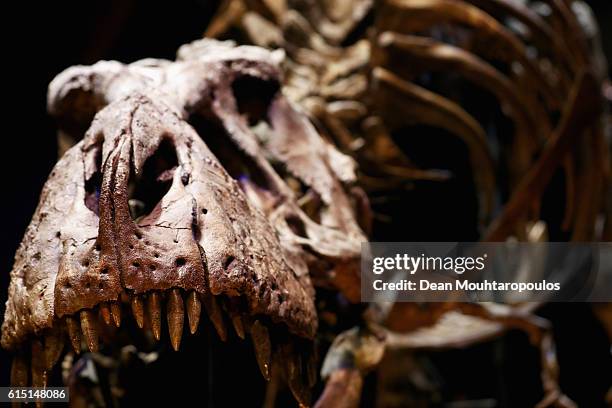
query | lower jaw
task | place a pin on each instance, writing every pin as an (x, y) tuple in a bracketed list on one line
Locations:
[(158, 322)]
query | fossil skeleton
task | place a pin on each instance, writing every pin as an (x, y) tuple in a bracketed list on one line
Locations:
[(197, 182), (365, 71)]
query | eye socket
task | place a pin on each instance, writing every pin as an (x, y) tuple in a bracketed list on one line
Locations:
[(146, 190), (238, 164), (253, 97)]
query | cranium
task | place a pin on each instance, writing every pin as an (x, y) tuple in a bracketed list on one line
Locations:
[(142, 211)]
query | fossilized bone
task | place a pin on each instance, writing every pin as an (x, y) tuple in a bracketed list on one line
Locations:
[(363, 80), (349, 89), (141, 212), (346, 90)]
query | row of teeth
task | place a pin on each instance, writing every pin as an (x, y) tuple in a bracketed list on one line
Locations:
[(299, 367), (150, 305)]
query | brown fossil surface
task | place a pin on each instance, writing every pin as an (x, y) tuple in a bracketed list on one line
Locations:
[(230, 183), (367, 71), (186, 190), (386, 66)]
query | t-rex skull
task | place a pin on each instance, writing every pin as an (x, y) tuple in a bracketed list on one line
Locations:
[(142, 211)]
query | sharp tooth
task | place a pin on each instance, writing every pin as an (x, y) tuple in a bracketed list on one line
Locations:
[(105, 312), (138, 310), (293, 365), (300, 391), (116, 313), (311, 369), (39, 373), (54, 344), (154, 306), (235, 316), (216, 317), (74, 332), (291, 368), (176, 316), (19, 371), (238, 325), (194, 308), (89, 328), (263, 347)]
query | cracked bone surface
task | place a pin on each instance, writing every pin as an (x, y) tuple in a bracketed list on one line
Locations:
[(185, 191)]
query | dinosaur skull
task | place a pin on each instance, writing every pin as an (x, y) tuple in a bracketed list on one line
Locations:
[(196, 183)]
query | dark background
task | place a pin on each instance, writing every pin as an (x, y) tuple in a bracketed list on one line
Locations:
[(43, 38)]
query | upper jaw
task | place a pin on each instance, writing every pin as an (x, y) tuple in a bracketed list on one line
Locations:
[(245, 251)]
